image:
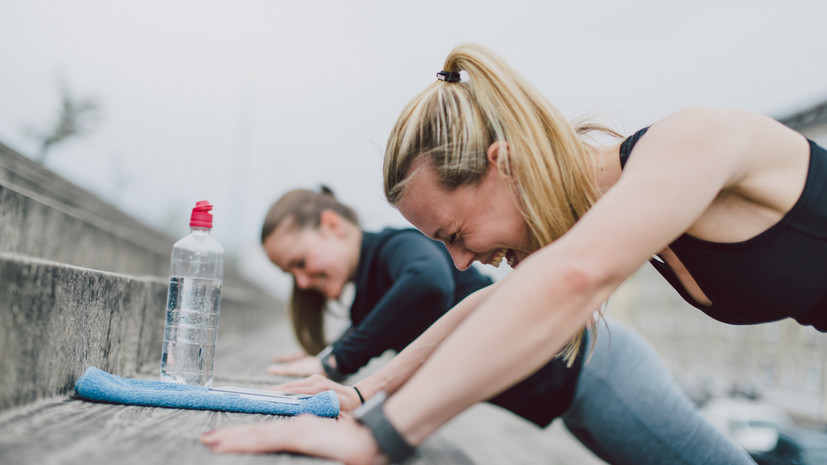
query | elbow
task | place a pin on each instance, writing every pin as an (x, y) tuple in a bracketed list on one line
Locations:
[(581, 280), (584, 285), (438, 295)]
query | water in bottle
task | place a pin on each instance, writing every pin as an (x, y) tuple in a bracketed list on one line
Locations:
[(193, 303)]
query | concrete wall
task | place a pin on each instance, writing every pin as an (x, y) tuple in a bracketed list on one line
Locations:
[(56, 320)]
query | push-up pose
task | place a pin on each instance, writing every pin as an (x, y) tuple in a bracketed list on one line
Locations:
[(729, 206)]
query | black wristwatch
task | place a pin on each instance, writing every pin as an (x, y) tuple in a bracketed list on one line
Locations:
[(332, 372), (389, 440)]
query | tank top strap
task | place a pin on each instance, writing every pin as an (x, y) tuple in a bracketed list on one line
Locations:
[(628, 144)]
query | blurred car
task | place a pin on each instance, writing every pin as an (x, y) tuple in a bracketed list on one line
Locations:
[(796, 447), (753, 425)]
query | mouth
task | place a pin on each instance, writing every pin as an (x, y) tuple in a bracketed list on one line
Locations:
[(506, 255), (319, 285)]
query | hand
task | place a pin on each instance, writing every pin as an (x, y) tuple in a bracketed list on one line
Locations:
[(305, 366), (343, 440), (290, 356), (348, 398)]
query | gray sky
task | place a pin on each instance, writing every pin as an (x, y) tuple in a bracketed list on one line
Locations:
[(238, 102)]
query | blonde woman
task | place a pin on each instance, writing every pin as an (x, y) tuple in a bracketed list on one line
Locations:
[(729, 206)]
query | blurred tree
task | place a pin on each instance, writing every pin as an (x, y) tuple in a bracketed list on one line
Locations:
[(76, 117)]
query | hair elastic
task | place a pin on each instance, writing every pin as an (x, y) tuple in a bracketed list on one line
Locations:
[(361, 399), (448, 76)]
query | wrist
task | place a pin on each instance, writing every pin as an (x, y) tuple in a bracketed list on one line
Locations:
[(389, 440), (359, 393), (328, 361)]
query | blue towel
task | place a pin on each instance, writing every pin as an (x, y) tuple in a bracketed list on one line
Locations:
[(100, 386)]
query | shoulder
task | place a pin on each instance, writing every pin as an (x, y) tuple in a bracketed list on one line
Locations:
[(409, 249), (726, 128), (732, 142), (702, 126)]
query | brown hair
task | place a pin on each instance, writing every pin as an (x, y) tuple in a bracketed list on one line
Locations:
[(297, 209), (452, 124)]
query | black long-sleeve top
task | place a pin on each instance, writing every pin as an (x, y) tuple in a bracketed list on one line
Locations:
[(405, 282)]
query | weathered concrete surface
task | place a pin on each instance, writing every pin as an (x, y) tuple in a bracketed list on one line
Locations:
[(56, 320), (18, 170), (46, 216), (40, 227)]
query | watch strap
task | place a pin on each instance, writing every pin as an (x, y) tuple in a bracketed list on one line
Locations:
[(332, 372), (387, 437)]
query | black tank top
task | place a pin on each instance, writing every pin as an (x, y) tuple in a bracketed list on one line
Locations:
[(780, 273)]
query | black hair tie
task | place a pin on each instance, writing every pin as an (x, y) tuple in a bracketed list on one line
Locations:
[(448, 76)]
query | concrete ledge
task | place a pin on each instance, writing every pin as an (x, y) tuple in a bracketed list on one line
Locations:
[(22, 172), (56, 320), (34, 225)]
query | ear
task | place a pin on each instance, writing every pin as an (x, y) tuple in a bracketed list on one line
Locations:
[(331, 221), (495, 154)]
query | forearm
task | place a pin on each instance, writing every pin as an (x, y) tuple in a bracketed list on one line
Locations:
[(393, 375), (512, 334)]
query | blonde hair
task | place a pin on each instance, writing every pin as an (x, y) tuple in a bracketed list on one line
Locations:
[(298, 209), (452, 124)]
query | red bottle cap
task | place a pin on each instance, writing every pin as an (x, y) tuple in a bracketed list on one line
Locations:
[(201, 216)]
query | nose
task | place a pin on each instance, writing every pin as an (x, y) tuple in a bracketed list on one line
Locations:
[(302, 279), (463, 258)]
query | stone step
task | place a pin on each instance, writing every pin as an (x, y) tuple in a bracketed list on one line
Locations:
[(56, 320), (46, 216), (18, 170), (34, 225)]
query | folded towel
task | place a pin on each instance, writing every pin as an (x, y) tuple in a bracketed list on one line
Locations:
[(100, 386)]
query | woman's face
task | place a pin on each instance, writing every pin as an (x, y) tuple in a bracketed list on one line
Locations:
[(318, 258), (475, 222)]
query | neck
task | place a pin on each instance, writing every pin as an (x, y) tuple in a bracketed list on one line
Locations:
[(354, 238)]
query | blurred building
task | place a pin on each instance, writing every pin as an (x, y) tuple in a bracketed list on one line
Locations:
[(782, 362)]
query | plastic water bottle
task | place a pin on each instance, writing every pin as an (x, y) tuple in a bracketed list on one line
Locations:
[(193, 303)]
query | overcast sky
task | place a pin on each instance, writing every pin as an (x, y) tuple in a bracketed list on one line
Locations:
[(239, 101)]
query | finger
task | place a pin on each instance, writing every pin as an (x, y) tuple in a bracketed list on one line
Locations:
[(311, 385), (280, 369), (289, 357), (305, 434), (242, 438)]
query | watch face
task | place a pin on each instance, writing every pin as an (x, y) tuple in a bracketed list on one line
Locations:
[(325, 353)]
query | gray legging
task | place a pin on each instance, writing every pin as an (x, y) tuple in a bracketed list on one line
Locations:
[(628, 409)]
